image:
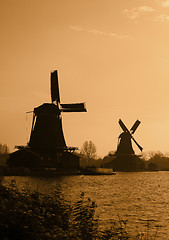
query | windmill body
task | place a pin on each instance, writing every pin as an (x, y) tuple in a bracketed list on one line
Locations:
[(125, 139), (47, 130), (125, 145), (47, 146)]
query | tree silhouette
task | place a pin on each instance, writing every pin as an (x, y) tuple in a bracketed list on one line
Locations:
[(88, 150), (4, 149)]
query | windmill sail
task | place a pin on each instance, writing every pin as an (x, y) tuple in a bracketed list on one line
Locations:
[(73, 107), (141, 149), (135, 126), (123, 126), (55, 96)]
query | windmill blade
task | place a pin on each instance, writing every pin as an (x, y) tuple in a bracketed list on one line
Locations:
[(135, 126), (55, 96), (123, 126), (73, 107), (141, 149)]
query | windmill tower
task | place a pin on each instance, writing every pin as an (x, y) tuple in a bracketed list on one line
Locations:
[(47, 146)]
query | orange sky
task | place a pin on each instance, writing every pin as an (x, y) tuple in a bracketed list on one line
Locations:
[(112, 54)]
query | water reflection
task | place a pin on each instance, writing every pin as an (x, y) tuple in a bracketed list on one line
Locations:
[(137, 197)]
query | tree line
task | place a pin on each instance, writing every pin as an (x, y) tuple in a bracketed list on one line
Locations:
[(153, 160)]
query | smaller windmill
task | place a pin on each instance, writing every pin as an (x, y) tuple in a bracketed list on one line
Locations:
[(125, 159), (125, 145)]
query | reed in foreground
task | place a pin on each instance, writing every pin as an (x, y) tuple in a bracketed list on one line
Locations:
[(31, 215)]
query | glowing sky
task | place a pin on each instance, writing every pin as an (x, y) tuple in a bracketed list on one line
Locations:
[(112, 54)]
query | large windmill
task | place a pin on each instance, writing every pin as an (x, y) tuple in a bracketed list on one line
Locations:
[(47, 146), (125, 145), (47, 132)]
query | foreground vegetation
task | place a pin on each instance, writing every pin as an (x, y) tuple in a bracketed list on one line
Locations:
[(31, 215)]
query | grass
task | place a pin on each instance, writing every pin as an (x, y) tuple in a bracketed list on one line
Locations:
[(30, 215)]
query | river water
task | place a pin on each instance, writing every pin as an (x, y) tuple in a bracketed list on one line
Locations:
[(139, 197)]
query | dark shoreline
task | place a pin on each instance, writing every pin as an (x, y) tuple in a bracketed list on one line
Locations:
[(50, 173)]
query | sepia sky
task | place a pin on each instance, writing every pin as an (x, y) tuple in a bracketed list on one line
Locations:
[(111, 54)]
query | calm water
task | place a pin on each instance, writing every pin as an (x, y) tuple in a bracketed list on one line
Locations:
[(134, 196)]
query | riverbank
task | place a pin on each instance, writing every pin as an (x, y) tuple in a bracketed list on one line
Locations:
[(52, 172), (117, 199), (31, 215)]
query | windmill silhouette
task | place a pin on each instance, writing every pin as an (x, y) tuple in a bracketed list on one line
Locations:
[(47, 146), (47, 131), (125, 159), (124, 144)]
